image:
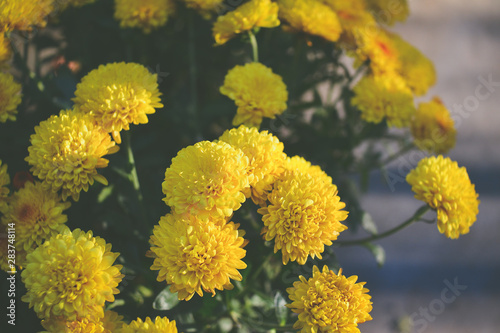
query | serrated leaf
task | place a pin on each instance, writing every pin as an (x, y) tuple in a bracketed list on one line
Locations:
[(368, 224), (280, 308), (105, 193), (378, 252), (165, 300)]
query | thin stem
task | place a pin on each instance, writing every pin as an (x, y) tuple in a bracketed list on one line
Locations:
[(134, 178), (255, 47), (416, 217), (193, 74)]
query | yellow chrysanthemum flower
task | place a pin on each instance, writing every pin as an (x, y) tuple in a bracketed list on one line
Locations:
[(205, 7), (144, 14), (118, 94), (194, 254), (300, 164), (389, 11), (266, 156), (417, 70), (439, 182), (5, 50), (303, 215), (160, 325), (24, 14), (70, 276), (4, 190), (207, 179), (353, 17), (329, 302), (66, 151), (257, 92), (255, 13), (377, 46), (433, 128), (37, 214), (111, 323), (10, 97), (310, 16), (379, 97)]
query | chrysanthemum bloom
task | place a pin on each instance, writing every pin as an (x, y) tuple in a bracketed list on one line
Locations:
[(205, 7), (417, 70), (256, 91), (37, 214), (5, 50), (377, 46), (432, 128), (303, 215), (379, 97), (329, 302), (160, 325), (353, 17), (266, 156), (10, 97), (300, 164), (440, 183), (66, 151), (310, 16), (4, 190), (24, 14), (145, 14), (194, 254), (389, 11), (70, 276), (255, 13), (207, 179), (118, 94), (111, 323)]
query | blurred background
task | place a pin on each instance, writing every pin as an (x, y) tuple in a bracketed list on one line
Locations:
[(462, 38)]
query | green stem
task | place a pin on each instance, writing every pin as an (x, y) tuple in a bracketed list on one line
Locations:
[(416, 217), (255, 47), (134, 178), (193, 74)]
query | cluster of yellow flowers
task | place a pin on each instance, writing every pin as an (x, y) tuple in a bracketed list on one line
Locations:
[(197, 248)]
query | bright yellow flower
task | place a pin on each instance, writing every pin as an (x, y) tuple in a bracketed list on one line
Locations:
[(439, 182), (160, 325), (432, 128), (299, 164), (4, 190), (379, 97), (144, 14), (10, 97), (303, 215), (70, 276), (255, 13), (192, 254), (118, 94), (377, 46), (66, 151), (207, 179), (329, 302), (205, 7), (312, 17), (5, 50), (24, 14), (111, 323), (389, 11), (37, 214), (417, 70), (257, 92), (266, 156)]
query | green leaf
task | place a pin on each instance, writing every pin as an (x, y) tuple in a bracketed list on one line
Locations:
[(378, 252), (165, 300), (105, 193), (368, 224), (280, 308)]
